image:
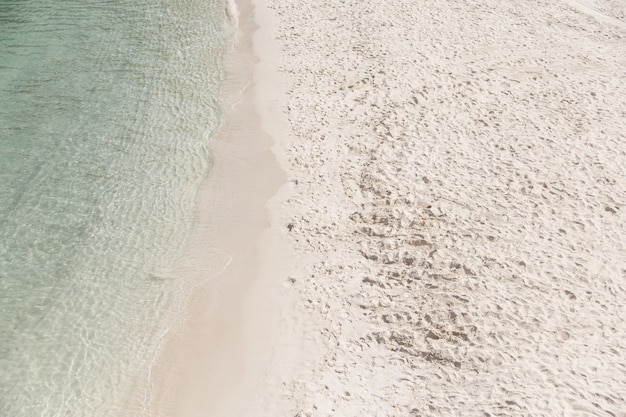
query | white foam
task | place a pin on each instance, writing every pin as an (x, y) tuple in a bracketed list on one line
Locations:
[(232, 12)]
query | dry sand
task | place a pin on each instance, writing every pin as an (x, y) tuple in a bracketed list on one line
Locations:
[(457, 200)]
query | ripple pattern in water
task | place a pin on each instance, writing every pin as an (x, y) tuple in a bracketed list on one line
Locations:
[(106, 112)]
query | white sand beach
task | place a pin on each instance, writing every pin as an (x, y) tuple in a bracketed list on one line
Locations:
[(450, 238), (456, 190)]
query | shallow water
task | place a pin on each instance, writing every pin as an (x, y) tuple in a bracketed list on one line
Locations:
[(107, 110)]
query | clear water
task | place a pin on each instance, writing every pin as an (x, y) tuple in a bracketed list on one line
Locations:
[(107, 109)]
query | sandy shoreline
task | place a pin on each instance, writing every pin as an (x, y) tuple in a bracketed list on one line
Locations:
[(458, 205), (455, 195), (210, 359)]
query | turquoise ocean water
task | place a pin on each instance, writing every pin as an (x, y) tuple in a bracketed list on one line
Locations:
[(107, 110)]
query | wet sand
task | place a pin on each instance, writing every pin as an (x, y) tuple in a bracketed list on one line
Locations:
[(212, 355)]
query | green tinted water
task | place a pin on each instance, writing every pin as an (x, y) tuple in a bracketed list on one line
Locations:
[(107, 109)]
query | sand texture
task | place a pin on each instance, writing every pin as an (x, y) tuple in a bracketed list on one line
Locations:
[(456, 206)]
